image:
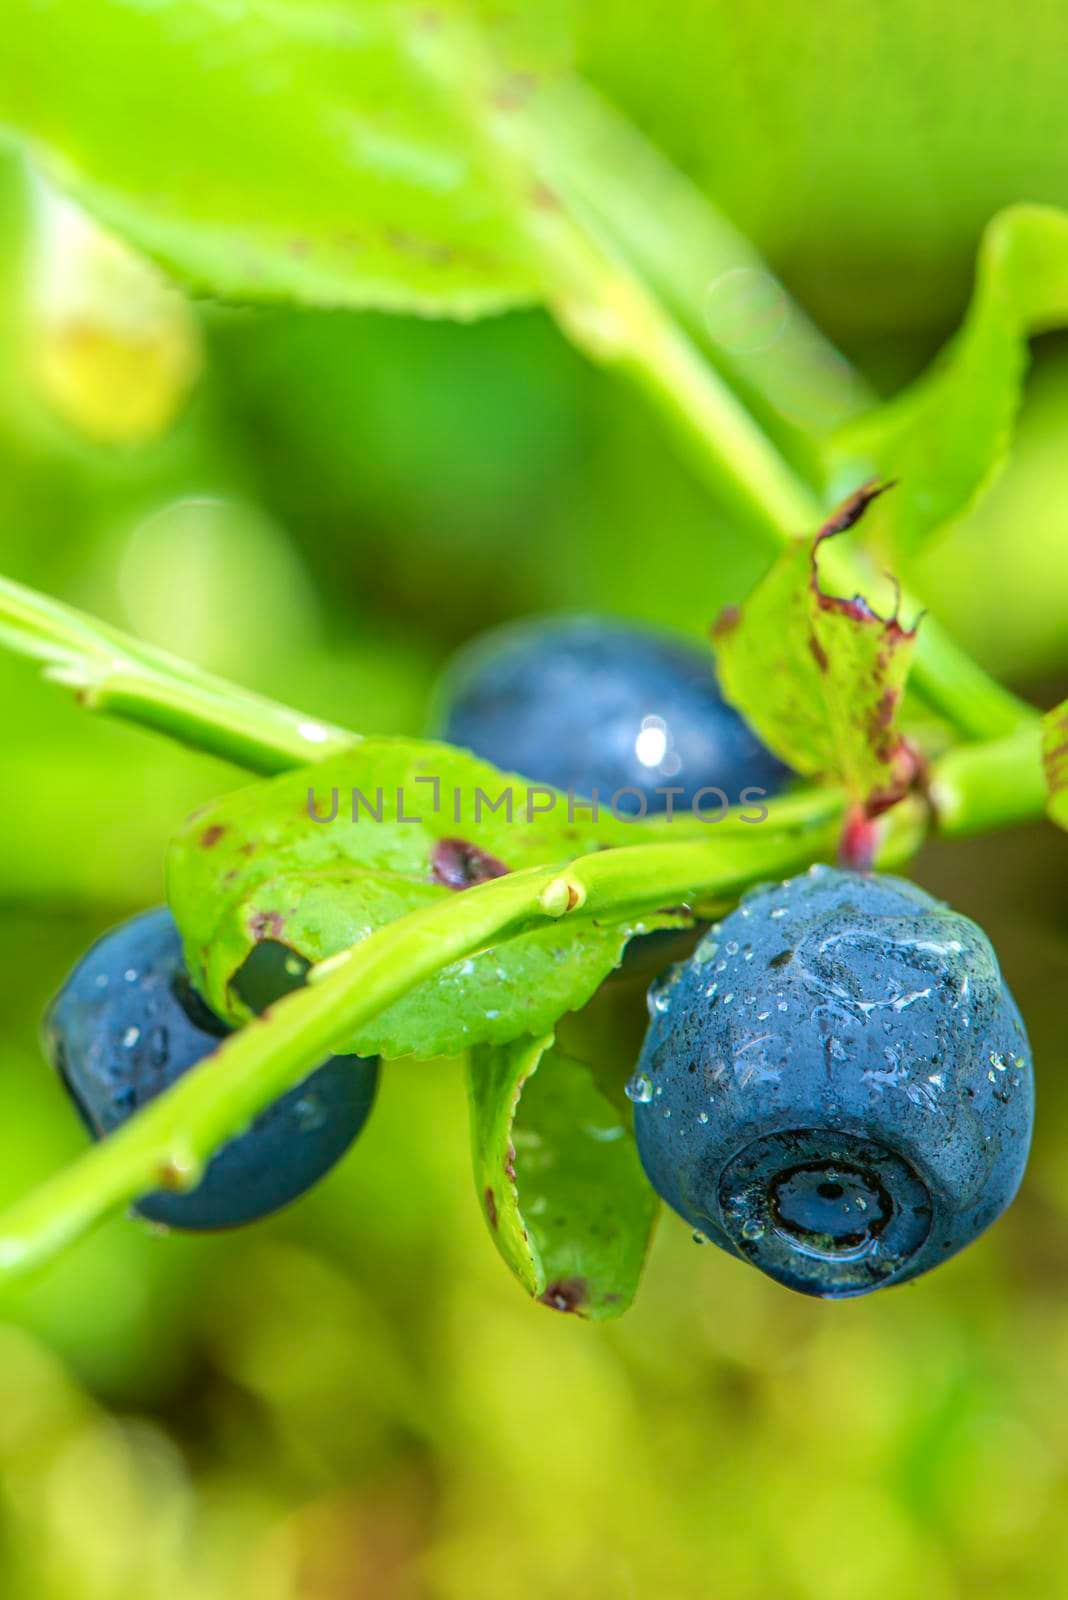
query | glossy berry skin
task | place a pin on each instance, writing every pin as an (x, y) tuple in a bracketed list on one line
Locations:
[(586, 703), (127, 1024), (837, 1085)]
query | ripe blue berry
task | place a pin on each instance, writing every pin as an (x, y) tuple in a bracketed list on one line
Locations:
[(127, 1023), (587, 703), (837, 1085)]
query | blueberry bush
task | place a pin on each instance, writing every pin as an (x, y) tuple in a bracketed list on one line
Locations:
[(836, 1083)]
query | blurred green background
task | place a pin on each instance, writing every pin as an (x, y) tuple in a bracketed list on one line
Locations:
[(354, 1398)]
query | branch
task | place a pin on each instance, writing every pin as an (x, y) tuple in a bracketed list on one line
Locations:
[(170, 1141), (977, 787), (113, 672)]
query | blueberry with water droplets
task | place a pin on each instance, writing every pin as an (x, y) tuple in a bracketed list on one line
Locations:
[(840, 1084), (591, 703), (127, 1023)]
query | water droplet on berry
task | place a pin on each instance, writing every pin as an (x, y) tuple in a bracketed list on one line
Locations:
[(310, 1113), (658, 997), (639, 1088)]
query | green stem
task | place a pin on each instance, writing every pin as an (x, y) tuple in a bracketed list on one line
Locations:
[(976, 787), (114, 672), (616, 321), (724, 439), (592, 258)]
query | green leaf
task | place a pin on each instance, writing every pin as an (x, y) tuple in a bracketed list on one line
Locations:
[(558, 1177), (254, 872), (430, 159), (276, 149), (1055, 762), (821, 677), (945, 437)]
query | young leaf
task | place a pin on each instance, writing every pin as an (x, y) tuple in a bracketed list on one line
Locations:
[(946, 436), (821, 677), (1055, 762), (269, 150), (261, 889), (558, 1178)]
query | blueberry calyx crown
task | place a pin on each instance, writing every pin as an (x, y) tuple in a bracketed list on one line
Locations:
[(824, 1212)]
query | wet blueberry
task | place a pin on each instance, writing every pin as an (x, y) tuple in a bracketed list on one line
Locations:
[(127, 1023), (587, 703), (837, 1085)]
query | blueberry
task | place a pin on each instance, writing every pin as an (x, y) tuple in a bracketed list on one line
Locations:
[(127, 1023), (588, 703), (837, 1085)]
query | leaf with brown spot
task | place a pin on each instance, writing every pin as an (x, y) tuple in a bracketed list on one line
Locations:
[(821, 676), (569, 1207), (323, 886), (251, 205), (457, 863)]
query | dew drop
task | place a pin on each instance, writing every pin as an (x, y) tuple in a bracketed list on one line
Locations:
[(639, 1088), (310, 1113), (658, 996), (752, 1229), (130, 1038)]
